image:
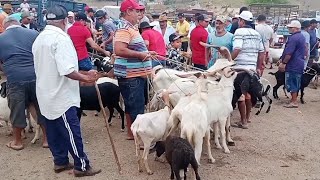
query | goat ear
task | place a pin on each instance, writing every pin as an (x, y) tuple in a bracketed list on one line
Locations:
[(189, 80), (184, 75)]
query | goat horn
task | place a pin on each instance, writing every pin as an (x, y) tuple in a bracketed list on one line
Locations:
[(226, 53)]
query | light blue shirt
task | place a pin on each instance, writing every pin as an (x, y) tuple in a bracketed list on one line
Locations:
[(225, 40)]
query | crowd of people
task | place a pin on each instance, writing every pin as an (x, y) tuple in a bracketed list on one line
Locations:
[(44, 69)]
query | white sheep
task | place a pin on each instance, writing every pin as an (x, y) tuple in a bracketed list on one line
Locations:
[(150, 128)]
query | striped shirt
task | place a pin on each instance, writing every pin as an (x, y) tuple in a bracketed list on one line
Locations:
[(130, 67), (249, 41)]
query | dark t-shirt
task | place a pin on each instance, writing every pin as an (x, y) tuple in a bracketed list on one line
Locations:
[(234, 27), (295, 47), (16, 54)]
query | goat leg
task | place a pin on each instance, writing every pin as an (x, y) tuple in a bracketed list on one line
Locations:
[(230, 141), (301, 96), (222, 124), (37, 135), (121, 112), (216, 135), (261, 106), (145, 157), (207, 139)]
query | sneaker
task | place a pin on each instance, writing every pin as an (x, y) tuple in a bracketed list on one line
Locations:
[(58, 169), (88, 172)]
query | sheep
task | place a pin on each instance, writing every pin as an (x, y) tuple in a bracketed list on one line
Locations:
[(110, 95), (275, 54), (307, 76), (179, 154), (150, 128)]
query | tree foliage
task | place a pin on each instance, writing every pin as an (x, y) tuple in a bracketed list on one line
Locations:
[(268, 1)]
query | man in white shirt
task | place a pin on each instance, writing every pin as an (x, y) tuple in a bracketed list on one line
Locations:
[(24, 6), (266, 33), (165, 29), (248, 53), (57, 89)]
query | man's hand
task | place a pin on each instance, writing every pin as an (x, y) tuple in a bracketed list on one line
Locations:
[(103, 46), (90, 76), (107, 53), (282, 67), (259, 72), (148, 55)]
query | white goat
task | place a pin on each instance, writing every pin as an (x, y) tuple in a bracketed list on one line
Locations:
[(150, 128)]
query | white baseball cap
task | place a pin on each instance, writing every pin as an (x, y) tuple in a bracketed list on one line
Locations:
[(70, 14), (246, 15), (294, 24)]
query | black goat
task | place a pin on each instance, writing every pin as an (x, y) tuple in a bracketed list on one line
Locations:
[(250, 82), (110, 95), (3, 90), (306, 78), (103, 65), (179, 154)]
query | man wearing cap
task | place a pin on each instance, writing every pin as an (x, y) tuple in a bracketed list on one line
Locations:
[(132, 64), (143, 17), (248, 53), (304, 31), (16, 61), (174, 52), (58, 93), (80, 35), (266, 33), (154, 42), (7, 8), (70, 19), (182, 28), (108, 30), (235, 24), (292, 61), (220, 37), (155, 20), (26, 21), (198, 35), (165, 29), (314, 42)]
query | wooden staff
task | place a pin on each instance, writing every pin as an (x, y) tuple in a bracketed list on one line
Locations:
[(107, 125)]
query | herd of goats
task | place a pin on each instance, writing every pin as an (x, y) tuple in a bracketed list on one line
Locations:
[(196, 102)]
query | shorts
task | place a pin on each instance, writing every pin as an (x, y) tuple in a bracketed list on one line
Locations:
[(85, 64), (293, 82), (20, 95), (158, 62)]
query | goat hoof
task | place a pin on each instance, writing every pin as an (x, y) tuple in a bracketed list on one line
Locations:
[(231, 143), (150, 173), (34, 141), (140, 170), (96, 115), (227, 151), (211, 160), (122, 130), (219, 147), (30, 130)]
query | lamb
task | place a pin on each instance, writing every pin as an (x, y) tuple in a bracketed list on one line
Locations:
[(179, 154), (149, 128), (110, 95), (307, 76)]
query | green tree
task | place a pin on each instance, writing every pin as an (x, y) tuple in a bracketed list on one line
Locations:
[(268, 1)]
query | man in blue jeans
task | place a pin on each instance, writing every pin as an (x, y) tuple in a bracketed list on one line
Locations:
[(132, 64), (292, 61)]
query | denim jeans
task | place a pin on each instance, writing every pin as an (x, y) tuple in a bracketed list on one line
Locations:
[(85, 64), (132, 91), (293, 81), (158, 62)]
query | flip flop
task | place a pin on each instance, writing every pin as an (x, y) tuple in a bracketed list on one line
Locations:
[(130, 138), (290, 106), (45, 146), (14, 147), (239, 125)]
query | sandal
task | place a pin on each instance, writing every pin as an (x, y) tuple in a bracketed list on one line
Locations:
[(291, 105), (240, 125), (14, 147)]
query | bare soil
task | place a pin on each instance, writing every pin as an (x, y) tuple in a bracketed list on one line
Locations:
[(283, 144)]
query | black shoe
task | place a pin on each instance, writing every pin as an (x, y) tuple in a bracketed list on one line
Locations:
[(58, 169), (88, 172)]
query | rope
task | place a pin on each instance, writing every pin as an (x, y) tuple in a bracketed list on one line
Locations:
[(107, 126)]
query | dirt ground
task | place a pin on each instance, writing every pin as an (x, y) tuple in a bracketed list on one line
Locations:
[(283, 144)]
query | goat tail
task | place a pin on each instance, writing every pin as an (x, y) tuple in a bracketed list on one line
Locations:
[(189, 135), (272, 73)]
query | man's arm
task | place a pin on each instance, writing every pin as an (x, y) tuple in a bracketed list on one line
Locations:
[(110, 39), (97, 47), (261, 57), (121, 49), (235, 53), (89, 77), (147, 43)]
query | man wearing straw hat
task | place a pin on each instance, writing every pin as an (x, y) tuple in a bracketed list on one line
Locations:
[(58, 93)]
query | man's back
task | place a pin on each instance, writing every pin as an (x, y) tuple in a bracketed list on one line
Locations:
[(199, 34), (55, 57), (266, 33), (16, 53), (249, 41), (295, 47), (79, 34), (156, 41)]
